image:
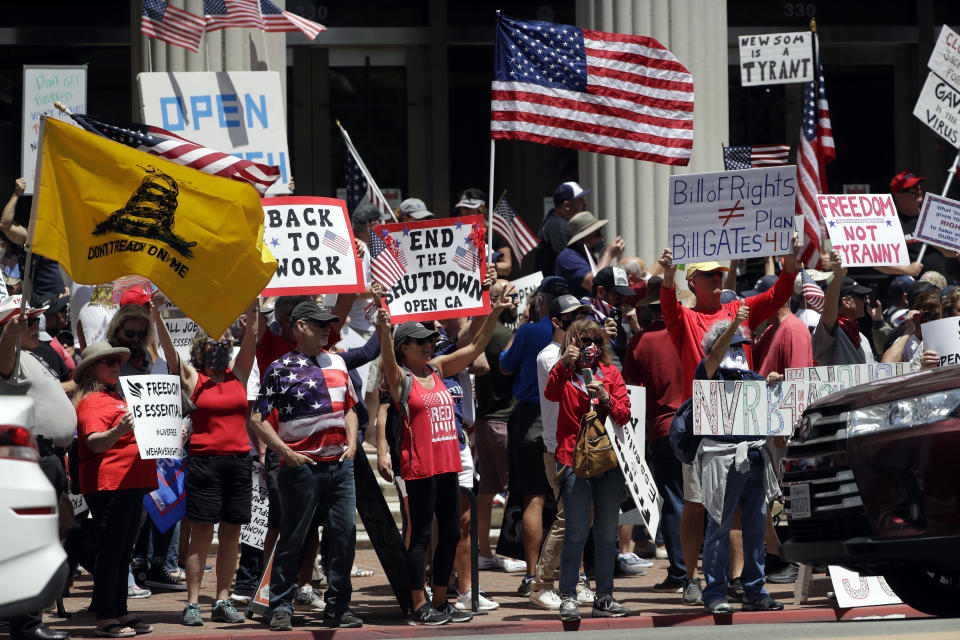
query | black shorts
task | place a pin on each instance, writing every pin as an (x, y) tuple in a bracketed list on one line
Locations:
[(219, 488)]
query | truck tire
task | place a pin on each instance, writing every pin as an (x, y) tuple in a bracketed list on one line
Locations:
[(930, 592)]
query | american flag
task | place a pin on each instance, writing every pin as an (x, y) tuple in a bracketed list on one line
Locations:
[(277, 20), (812, 293), (360, 184), (611, 93), (171, 24), (222, 14), (747, 157), (172, 147), (385, 261), (466, 258), (335, 242), (599, 308), (508, 224), (814, 153)]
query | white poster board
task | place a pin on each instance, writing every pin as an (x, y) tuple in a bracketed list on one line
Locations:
[(312, 240), (864, 228), (945, 57), (526, 287), (745, 213), (629, 445), (154, 401), (43, 85), (938, 106), (943, 336), (237, 112), (939, 222), (813, 383), (254, 533), (743, 408), (182, 332), (853, 590), (775, 58)]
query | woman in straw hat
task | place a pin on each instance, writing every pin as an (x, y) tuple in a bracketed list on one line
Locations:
[(113, 480)]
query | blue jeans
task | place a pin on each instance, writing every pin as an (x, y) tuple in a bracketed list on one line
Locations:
[(606, 493), (313, 495), (668, 475), (747, 491)]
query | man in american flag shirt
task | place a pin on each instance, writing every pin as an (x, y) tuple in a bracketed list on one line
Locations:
[(317, 439)]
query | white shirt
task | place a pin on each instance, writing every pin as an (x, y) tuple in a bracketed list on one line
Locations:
[(549, 411)]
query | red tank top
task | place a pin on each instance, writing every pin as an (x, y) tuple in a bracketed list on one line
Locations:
[(220, 421), (430, 445)]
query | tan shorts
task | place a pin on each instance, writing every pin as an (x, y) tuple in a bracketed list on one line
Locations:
[(691, 485)]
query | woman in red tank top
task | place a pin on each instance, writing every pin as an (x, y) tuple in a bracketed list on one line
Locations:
[(430, 451), (218, 479)]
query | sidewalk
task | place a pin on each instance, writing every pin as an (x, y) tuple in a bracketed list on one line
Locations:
[(373, 601)]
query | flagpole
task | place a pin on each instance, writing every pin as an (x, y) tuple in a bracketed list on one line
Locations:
[(821, 170), (946, 189), (490, 201), (370, 181)]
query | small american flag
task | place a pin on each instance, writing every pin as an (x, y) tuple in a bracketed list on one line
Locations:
[(277, 20), (385, 266), (747, 157), (611, 93), (171, 24), (222, 14), (466, 258), (812, 293), (599, 309), (335, 242), (172, 147), (508, 224)]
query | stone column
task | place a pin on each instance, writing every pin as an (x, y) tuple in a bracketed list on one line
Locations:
[(633, 194)]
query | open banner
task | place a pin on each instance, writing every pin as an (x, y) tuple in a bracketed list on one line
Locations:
[(312, 240), (864, 228), (432, 269)]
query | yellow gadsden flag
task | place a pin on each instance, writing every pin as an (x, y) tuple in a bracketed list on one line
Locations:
[(104, 210)]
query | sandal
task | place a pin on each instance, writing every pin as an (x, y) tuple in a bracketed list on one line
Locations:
[(139, 626), (115, 630), (360, 572)]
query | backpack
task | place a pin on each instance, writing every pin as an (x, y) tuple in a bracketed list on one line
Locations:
[(682, 440), (398, 419), (593, 452)]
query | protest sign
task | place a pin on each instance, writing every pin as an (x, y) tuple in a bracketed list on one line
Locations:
[(182, 331), (312, 240), (43, 85), (854, 590), (938, 106), (746, 213), (865, 229), (236, 112), (939, 222), (154, 401), (78, 503), (526, 287), (432, 269), (776, 58), (813, 383), (629, 445), (943, 336), (945, 57), (743, 408), (254, 533)]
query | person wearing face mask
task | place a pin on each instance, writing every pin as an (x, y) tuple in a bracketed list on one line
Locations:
[(910, 347), (218, 470), (581, 380), (131, 328), (573, 265)]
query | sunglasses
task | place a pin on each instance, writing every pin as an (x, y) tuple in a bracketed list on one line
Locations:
[(213, 343), (112, 361), (586, 342), (130, 334)]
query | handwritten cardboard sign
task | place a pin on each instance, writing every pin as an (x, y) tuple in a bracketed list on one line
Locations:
[(864, 228), (254, 533), (526, 287), (743, 408), (775, 58), (943, 336), (854, 590), (154, 401), (630, 448), (43, 85), (945, 57), (813, 383), (312, 240), (432, 269), (938, 106), (939, 222), (746, 213), (182, 332)]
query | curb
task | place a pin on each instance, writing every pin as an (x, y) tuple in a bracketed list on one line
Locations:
[(378, 632)]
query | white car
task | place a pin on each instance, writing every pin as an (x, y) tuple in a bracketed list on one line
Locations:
[(33, 564)]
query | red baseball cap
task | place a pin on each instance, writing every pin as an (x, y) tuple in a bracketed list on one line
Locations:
[(135, 295), (903, 181)]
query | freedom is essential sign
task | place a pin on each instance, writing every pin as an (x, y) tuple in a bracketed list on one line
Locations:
[(154, 401), (745, 213), (312, 240), (775, 58), (432, 269), (865, 229)]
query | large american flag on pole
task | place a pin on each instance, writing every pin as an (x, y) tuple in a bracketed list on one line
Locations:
[(171, 24), (610, 93), (172, 147), (815, 152), (386, 265), (508, 224), (753, 157)]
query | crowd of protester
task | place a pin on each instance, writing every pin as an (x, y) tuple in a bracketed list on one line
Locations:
[(458, 406)]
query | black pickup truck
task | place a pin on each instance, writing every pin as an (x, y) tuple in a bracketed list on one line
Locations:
[(871, 483)]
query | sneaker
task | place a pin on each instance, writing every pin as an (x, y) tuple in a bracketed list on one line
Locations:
[(465, 602), (764, 604), (223, 611), (719, 608), (787, 574), (428, 616), (547, 599), (526, 585), (569, 610), (240, 598), (134, 592), (160, 578), (455, 613), (735, 591), (344, 619), (510, 565), (607, 607), (693, 593), (670, 585), (661, 553), (493, 563), (179, 574), (630, 564), (584, 594), (191, 615), (306, 598), (281, 621)]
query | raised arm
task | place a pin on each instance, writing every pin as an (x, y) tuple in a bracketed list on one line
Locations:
[(175, 364), (462, 358), (16, 233), (715, 357), (248, 348), (388, 359)]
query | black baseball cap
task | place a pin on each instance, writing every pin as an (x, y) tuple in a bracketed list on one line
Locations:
[(554, 285), (414, 330), (310, 310), (851, 287), (613, 279)]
